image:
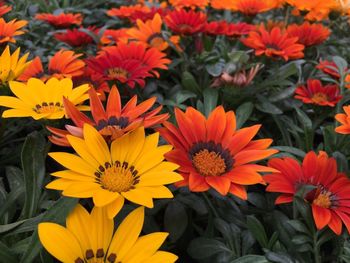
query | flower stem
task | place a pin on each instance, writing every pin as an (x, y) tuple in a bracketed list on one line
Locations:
[(210, 205)]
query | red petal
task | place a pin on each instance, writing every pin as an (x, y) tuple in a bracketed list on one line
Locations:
[(322, 216), (114, 104), (219, 183)]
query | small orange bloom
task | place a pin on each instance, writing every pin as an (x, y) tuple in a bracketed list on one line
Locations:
[(330, 195), (309, 34), (316, 10), (189, 3), (61, 20), (113, 122), (274, 44), (213, 154), (34, 71), (114, 36), (315, 93), (344, 119), (186, 22), (11, 29)]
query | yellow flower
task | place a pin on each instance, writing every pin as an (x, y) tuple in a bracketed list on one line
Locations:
[(11, 66), (89, 238), (42, 100), (132, 168)]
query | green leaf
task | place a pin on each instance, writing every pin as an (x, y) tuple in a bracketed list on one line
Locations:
[(216, 69), (202, 247), (6, 254), (257, 230), (283, 94), (210, 96), (8, 227), (279, 257), (33, 165), (243, 113), (292, 150), (175, 220), (189, 82), (57, 213), (251, 259), (303, 118), (267, 107), (301, 239), (298, 226)]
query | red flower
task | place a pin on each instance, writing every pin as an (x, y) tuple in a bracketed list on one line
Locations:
[(113, 122), (186, 22), (147, 15), (329, 198), (239, 29), (76, 37), (127, 11), (274, 44), (328, 67), (309, 34), (216, 28), (61, 20), (34, 71), (213, 154), (4, 9), (315, 93)]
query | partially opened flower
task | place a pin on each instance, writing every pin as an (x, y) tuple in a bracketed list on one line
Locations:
[(132, 168), (4, 9), (9, 30), (344, 119), (274, 44), (88, 237), (12, 66), (62, 20), (186, 22), (329, 196), (315, 93), (329, 67), (41, 100), (113, 122), (76, 37), (213, 154), (309, 34)]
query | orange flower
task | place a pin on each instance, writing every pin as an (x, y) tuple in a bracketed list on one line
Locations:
[(150, 33), (309, 34), (186, 22), (11, 29), (274, 44), (64, 64), (315, 93), (113, 122), (114, 36), (330, 195), (61, 20), (76, 37), (316, 10), (127, 11), (213, 154), (252, 7), (4, 9), (189, 3), (222, 4), (344, 119)]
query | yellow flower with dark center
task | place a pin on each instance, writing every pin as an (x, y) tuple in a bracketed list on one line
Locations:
[(12, 66), (131, 168), (89, 238), (41, 100)]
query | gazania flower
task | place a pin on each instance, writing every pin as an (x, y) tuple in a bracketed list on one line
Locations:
[(309, 34), (127, 11), (316, 10), (4, 9), (89, 238), (186, 22), (328, 199), (114, 36), (113, 122), (41, 100), (239, 29), (315, 93), (128, 63), (150, 33), (328, 67), (274, 44), (61, 20), (11, 29), (252, 7), (213, 154), (344, 119), (145, 15), (12, 66), (76, 37), (189, 3), (131, 168), (216, 28)]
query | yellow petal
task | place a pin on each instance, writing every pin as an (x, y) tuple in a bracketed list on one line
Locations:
[(136, 139), (159, 178), (81, 189), (59, 184), (119, 148), (139, 197), (114, 207), (104, 197), (157, 191), (81, 148), (127, 233), (73, 176), (59, 242)]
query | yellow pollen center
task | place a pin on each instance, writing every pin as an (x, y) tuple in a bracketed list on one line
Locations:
[(319, 97), (50, 107), (209, 163), (117, 73), (323, 200), (117, 179)]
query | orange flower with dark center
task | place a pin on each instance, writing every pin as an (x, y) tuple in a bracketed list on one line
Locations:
[(344, 119), (315, 93), (76, 37), (274, 44), (309, 34), (113, 122), (186, 22), (11, 29), (189, 3), (213, 154), (61, 20), (330, 193), (127, 11), (239, 29), (215, 28)]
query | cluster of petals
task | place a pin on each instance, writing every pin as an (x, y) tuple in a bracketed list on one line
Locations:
[(62, 20), (186, 22), (309, 34), (9, 30), (76, 37)]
